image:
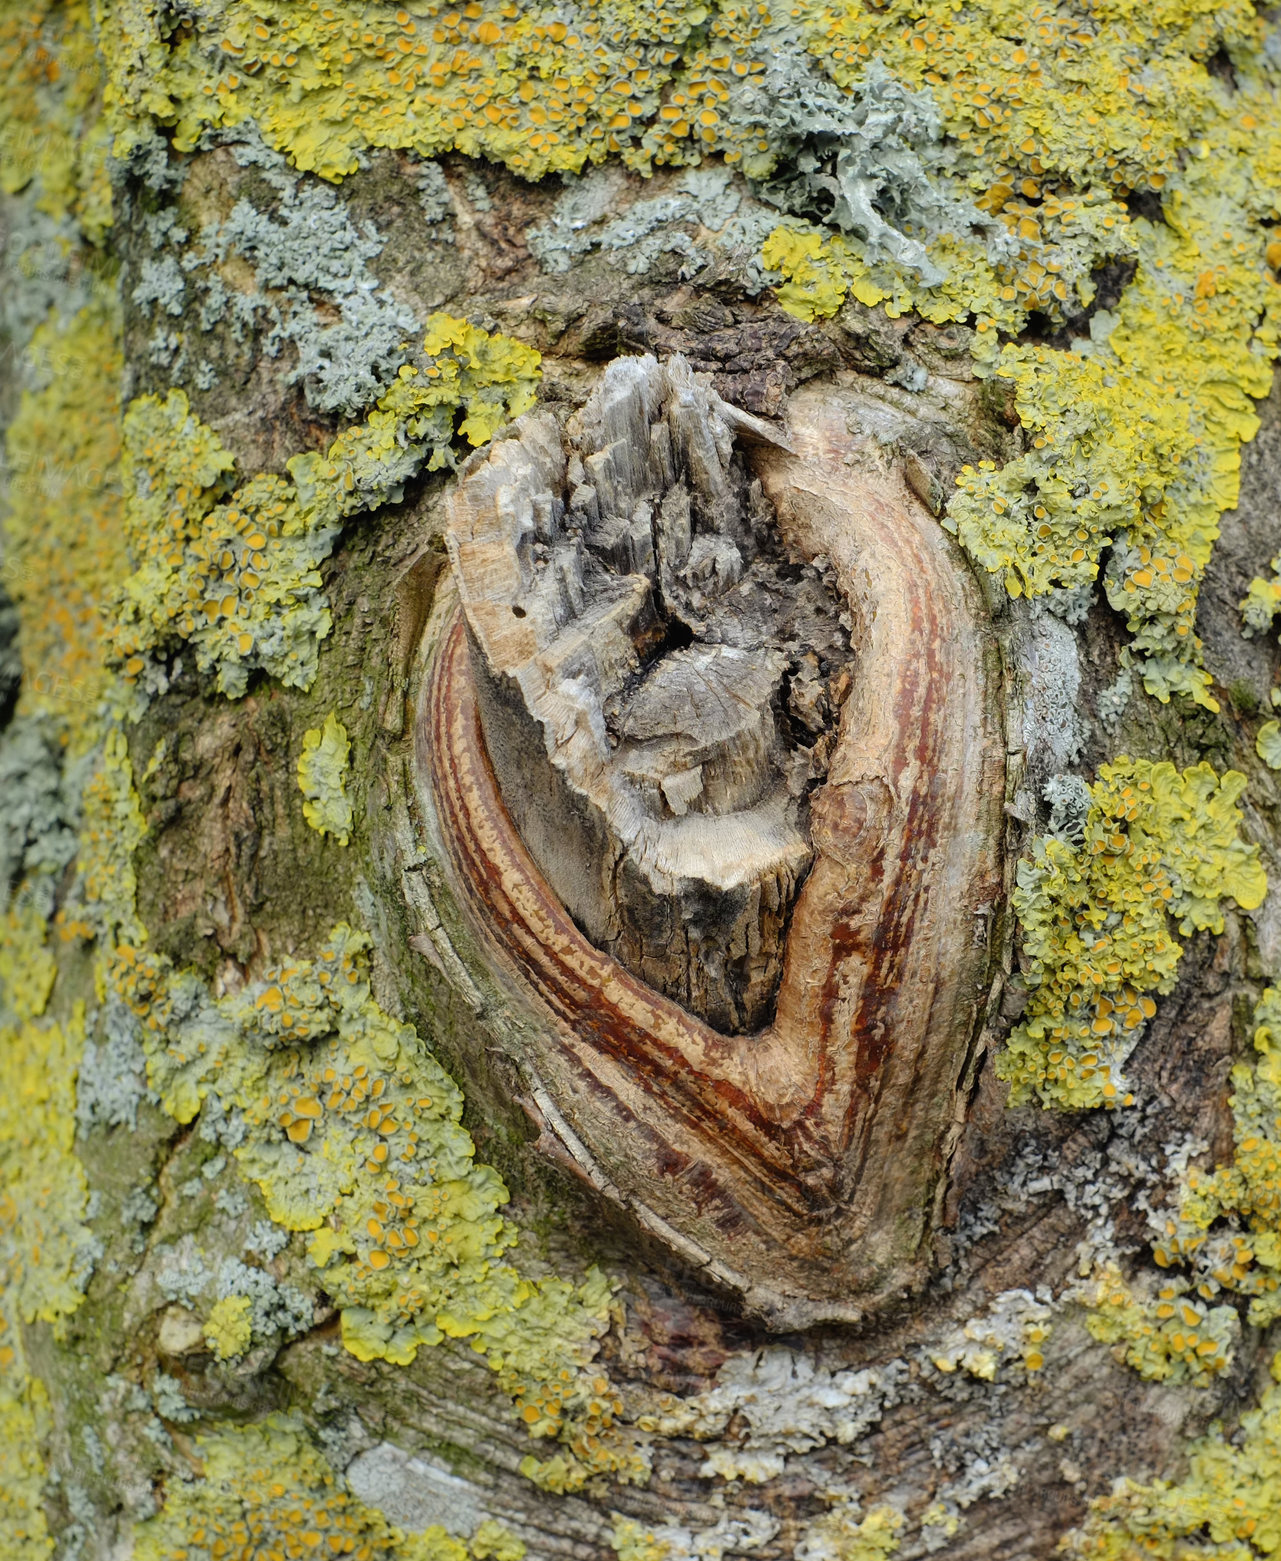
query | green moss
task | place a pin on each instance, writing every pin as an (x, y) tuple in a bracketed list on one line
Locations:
[(266, 1490), (236, 574), (1161, 851), (322, 774), (1227, 1506)]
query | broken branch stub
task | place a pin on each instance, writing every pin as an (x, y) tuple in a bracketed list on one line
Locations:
[(714, 750)]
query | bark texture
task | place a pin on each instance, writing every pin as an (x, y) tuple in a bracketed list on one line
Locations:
[(690, 762)]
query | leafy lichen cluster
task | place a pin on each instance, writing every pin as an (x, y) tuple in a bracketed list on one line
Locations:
[(1227, 1506), (266, 1490), (1134, 432), (322, 776), (1171, 1335), (1259, 608), (1160, 851), (1041, 127), (50, 111), (353, 1134), (64, 549), (1223, 1239), (236, 574)]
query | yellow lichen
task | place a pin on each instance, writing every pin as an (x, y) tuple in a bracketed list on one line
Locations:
[(113, 826), (1135, 433), (50, 107), (228, 1329), (237, 575), (24, 1532), (1170, 1334), (322, 773), (45, 1250), (1227, 1506), (1267, 744), (1261, 604), (844, 1535), (64, 548), (355, 1135), (1160, 850), (536, 89), (27, 965), (634, 1542), (265, 1490), (1226, 1232)]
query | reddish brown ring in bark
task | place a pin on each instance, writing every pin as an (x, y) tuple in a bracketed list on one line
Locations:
[(804, 1166)]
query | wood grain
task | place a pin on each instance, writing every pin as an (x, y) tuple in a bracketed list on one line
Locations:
[(803, 1165)]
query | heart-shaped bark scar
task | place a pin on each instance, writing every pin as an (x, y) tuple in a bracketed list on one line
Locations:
[(713, 749)]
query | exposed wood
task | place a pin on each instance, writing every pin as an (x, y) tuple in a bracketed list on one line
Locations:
[(638, 630), (804, 1164)]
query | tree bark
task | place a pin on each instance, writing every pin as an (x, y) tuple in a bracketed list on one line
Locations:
[(691, 762)]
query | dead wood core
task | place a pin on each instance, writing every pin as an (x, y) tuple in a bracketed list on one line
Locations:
[(631, 764), (658, 682)]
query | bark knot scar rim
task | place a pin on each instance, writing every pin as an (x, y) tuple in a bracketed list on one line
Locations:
[(807, 1162)]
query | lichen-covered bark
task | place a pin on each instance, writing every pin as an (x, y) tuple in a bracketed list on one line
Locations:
[(295, 1257)]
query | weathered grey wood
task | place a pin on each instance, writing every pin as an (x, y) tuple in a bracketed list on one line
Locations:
[(635, 639)]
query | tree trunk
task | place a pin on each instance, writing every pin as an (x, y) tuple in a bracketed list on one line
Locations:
[(635, 796)]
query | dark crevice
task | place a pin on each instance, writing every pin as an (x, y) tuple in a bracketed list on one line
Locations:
[(1146, 204), (1110, 282), (1220, 66)]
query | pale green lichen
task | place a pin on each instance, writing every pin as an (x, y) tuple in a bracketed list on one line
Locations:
[(265, 1489), (322, 775), (228, 1329), (1167, 1335), (844, 1534), (237, 574), (1262, 603), (1267, 744), (64, 553), (632, 1541), (1227, 1506), (308, 261), (355, 1135), (1160, 850)]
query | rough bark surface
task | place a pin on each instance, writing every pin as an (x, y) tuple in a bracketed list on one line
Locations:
[(794, 1159)]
